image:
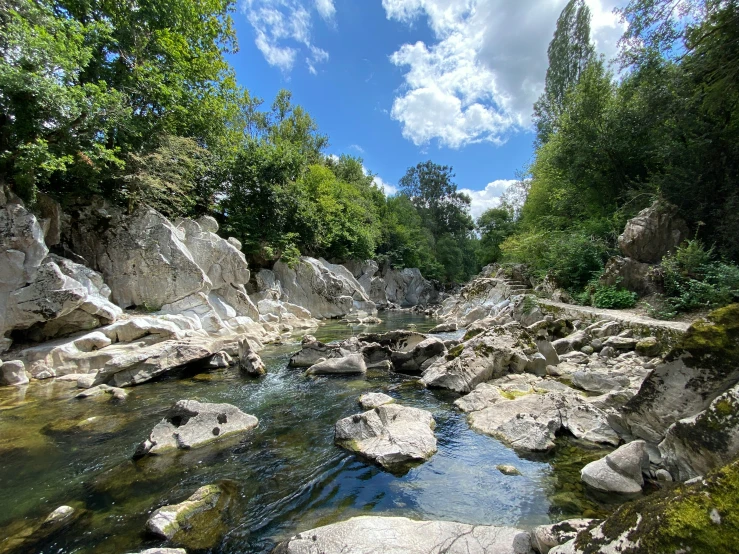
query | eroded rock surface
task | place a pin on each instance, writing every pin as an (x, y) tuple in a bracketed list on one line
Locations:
[(620, 471)]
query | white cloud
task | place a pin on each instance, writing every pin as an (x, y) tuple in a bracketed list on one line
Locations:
[(387, 188), (479, 80), (487, 198), (357, 148), (282, 30)]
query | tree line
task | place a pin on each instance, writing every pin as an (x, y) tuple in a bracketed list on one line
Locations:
[(135, 101)]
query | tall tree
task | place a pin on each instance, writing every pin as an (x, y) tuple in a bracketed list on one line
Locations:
[(570, 52)]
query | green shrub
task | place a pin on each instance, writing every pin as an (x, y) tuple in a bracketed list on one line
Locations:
[(611, 297)]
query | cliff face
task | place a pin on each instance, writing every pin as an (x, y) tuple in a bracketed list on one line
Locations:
[(184, 286)]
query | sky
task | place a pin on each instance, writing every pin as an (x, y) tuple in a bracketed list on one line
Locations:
[(397, 82)]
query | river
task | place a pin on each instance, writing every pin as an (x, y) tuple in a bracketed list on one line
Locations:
[(288, 473)]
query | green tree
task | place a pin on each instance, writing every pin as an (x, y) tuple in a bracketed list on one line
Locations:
[(494, 225), (570, 52)]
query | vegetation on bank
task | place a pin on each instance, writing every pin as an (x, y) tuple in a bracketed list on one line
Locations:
[(138, 104), (666, 125)]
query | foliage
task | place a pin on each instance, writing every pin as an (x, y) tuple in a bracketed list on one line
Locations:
[(494, 225), (612, 297)]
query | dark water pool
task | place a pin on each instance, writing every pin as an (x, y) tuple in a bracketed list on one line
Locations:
[(288, 473)]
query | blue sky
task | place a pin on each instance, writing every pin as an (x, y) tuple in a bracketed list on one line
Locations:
[(397, 82)]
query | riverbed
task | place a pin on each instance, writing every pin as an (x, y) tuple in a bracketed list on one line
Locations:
[(55, 449)]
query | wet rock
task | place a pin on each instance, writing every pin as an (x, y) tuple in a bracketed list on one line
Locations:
[(491, 354), (116, 393), (546, 537), (419, 358), (376, 355), (380, 535), (373, 400), (163, 551), (13, 372), (189, 424), (391, 435), (530, 423), (508, 469), (59, 516), (249, 361), (397, 341), (351, 364), (620, 471), (313, 350), (483, 396), (195, 523)]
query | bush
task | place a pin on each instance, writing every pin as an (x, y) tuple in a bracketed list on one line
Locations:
[(611, 297)]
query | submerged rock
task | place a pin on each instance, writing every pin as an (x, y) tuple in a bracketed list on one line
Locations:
[(373, 400), (391, 435), (399, 535), (351, 364), (189, 424), (115, 393), (620, 471), (195, 523)]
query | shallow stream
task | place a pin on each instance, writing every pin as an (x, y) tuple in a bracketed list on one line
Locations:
[(289, 475)]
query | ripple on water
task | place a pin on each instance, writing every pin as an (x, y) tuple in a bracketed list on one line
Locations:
[(290, 475)]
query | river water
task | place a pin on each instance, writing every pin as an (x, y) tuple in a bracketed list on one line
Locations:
[(288, 473)]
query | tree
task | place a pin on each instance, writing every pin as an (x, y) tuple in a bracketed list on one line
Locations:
[(570, 52), (494, 225)]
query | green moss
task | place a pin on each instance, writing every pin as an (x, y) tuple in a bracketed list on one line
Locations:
[(455, 352), (715, 340), (687, 518), (482, 349), (471, 334)]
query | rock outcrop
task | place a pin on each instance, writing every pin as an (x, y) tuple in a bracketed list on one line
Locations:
[(393, 287), (351, 364), (546, 537), (395, 535), (653, 233), (391, 435), (189, 424)]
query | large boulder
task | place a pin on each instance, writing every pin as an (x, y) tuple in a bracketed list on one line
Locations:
[(546, 537), (399, 535), (397, 341), (13, 372), (696, 445), (531, 422), (629, 274), (407, 287), (351, 364), (189, 424), (486, 356), (391, 435), (620, 471), (654, 232), (197, 522), (703, 366), (419, 358), (326, 290)]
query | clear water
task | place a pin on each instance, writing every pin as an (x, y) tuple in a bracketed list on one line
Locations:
[(289, 474)]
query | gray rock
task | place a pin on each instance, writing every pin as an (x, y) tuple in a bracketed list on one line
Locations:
[(546, 537), (548, 351), (537, 364), (597, 382), (419, 358), (249, 361), (351, 364), (373, 400), (396, 341), (663, 475), (396, 535), (506, 469), (13, 372), (620, 343), (444, 328), (649, 346), (620, 471), (654, 232), (629, 274), (59, 516), (116, 393), (607, 352), (189, 424), (391, 435), (163, 551), (574, 341)]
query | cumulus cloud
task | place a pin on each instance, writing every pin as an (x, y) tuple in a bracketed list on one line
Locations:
[(479, 80), (487, 198), (282, 30), (386, 187)]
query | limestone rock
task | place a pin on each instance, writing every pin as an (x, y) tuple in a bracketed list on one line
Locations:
[(373, 400), (353, 363), (444, 328), (195, 522), (399, 535), (116, 393), (546, 537), (397, 341), (407, 287), (648, 346), (189, 424), (249, 361), (620, 471), (391, 435), (313, 350), (419, 358), (654, 232), (163, 551), (506, 469), (629, 274), (490, 354), (13, 372), (529, 423)]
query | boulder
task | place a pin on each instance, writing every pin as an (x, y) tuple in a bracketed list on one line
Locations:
[(115, 393), (415, 361), (631, 275), (696, 445), (313, 350), (373, 400), (397, 341), (546, 537), (648, 346), (531, 422), (407, 287), (486, 356), (570, 343), (351, 364), (391, 435), (13, 372), (196, 522), (444, 328), (189, 424), (507, 469), (249, 361), (653, 233), (399, 535), (620, 471)]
